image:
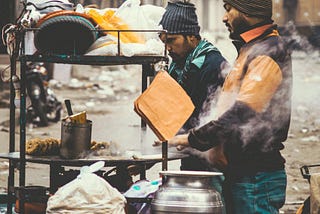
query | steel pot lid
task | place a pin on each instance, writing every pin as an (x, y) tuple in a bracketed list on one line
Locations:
[(190, 173)]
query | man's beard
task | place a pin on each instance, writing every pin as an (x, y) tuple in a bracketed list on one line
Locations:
[(180, 59), (176, 58), (239, 25)]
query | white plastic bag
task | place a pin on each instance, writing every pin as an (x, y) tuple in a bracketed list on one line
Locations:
[(151, 47), (144, 17), (140, 17), (88, 193), (130, 16)]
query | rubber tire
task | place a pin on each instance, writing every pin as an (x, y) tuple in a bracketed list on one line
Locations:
[(65, 35)]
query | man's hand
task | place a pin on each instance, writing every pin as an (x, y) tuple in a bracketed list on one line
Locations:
[(179, 141)]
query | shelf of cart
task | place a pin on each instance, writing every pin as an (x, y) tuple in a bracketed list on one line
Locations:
[(94, 60), (109, 160)]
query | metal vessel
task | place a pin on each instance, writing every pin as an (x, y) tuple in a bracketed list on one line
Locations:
[(75, 139), (187, 192)]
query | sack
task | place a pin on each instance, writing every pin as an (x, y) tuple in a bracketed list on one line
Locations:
[(88, 193), (217, 158)]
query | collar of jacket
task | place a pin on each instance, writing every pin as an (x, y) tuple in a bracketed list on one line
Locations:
[(258, 31), (196, 57), (255, 32)]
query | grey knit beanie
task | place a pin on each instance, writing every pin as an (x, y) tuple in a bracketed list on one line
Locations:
[(180, 18), (258, 8)]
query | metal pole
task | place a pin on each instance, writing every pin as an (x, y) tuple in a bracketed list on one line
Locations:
[(165, 155), (144, 84), (10, 184), (22, 171)]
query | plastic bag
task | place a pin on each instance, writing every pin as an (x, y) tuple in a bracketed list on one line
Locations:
[(129, 16), (145, 17), (106, 46), (88, 193), (143, 189)]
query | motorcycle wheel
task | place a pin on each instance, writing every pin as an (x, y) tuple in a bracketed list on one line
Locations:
[(40, 108)]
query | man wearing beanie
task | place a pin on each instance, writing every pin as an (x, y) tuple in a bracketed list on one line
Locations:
[(196, 65), (256, 109)]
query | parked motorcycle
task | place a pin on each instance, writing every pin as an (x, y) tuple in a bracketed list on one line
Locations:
[(45, 107), (42, 105)]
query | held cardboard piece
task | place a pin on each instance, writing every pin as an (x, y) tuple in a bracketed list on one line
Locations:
[(164, 106)]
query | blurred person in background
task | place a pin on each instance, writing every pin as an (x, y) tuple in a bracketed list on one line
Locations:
[(255, 110)]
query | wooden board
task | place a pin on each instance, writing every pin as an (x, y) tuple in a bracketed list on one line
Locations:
[(307, 14)]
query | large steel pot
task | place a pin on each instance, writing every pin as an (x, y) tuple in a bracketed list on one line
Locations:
[(187, 192)]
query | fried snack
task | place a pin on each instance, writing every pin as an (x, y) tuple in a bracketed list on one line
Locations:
[(46, 146), (99, 145)]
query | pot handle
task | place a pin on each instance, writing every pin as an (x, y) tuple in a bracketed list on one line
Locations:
[(68, 106)]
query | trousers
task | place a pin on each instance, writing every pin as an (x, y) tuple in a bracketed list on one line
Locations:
[(262, 193)]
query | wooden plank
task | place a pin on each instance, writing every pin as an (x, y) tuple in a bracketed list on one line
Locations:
[(316, 13), (278, 13), (307, 14), (304, 13)]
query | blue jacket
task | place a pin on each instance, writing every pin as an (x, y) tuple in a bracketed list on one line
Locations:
[(200, 77)]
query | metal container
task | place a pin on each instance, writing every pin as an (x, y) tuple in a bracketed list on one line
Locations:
[(187, 192), (35, 199), (75, 139)]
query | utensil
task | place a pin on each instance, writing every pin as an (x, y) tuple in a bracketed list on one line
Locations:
[(187, 192), (68, 106)]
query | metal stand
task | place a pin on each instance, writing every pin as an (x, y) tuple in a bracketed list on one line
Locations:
[(18, 160)]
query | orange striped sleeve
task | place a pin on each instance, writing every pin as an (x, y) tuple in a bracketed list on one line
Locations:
[(260, 83)]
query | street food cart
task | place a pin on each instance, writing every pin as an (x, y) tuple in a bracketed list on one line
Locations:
[(18, 159)]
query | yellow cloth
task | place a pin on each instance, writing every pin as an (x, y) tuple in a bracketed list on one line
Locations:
[(108, 21), (164, 106)]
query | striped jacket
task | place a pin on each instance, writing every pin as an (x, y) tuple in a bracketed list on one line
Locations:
[(254, 106)]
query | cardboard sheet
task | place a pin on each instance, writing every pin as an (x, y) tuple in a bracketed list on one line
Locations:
[(315, 193), (164, 106)]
